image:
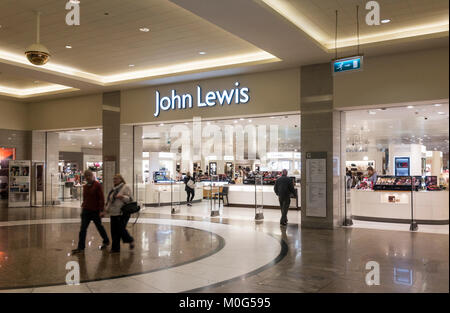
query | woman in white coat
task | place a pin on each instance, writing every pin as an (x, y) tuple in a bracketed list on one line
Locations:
[(119, 195)]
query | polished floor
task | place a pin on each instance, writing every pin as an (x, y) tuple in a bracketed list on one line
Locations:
[(191, 251)]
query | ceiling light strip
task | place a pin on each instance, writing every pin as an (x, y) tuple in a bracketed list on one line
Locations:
[(300, 20)]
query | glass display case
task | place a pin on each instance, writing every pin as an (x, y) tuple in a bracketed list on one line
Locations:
[(403, 183)]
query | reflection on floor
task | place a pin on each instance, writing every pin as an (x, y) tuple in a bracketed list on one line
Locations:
[(435, 229), (314, 261)]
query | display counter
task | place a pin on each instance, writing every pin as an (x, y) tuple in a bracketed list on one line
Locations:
[(244, 195), (160, 194), (430, 207)]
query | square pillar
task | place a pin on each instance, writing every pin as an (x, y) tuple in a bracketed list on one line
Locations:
[(321, 136), (122, 150)]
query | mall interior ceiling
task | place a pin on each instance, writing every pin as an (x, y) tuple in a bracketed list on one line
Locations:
[(189, 40)]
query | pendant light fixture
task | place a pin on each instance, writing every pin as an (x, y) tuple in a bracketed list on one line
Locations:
[(37, 54)]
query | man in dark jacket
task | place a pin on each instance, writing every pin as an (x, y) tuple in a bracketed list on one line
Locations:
[(284, 188), (189, 191), (92, 210)]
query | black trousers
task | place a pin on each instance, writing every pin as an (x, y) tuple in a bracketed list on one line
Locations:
[(86, 218), (119, 231), (190, 194), (284, 205)]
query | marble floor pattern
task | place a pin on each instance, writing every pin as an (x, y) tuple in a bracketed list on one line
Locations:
[(256, 256)]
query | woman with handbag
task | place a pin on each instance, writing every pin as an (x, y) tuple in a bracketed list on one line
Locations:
[(119, 195), (190, 188)]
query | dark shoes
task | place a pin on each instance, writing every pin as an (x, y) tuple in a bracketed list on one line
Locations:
[(132, 245), (77, 251), (104, 246), (114, 251)]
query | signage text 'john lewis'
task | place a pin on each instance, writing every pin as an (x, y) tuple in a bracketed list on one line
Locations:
[(236, 95)]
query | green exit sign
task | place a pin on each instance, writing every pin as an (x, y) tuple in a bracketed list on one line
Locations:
[(348, 64)]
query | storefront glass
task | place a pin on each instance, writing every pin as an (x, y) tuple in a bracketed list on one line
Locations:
[(397, 162), (230, 153), (69, 154)]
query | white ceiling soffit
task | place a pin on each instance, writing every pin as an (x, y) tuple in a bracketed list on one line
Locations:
[(105, 45), (403, 19)]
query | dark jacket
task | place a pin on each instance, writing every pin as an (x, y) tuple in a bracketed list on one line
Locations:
[(284, 187), (186, 179), (93, 198)]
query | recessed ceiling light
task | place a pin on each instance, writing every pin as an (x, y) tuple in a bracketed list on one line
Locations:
[(372, 112), (409, 107), (437, 104), (249, 121), (68, 47), (144, 29), (235, 122), (131, 65), (385, 21), (75, 1), (83, 130), (162, 124), (202, 52), (90, 143), (241, 119), (441, 113)]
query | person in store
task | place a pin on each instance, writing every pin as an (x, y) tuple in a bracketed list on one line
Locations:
[(119, 195), (92, 210), (190, 188), (349, 179), (284, 188), (372, 175)]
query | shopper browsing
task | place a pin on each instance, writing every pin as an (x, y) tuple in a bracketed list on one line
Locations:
[(92, 210), (119, 195), (372, 175), (190, 188), (284, 188)]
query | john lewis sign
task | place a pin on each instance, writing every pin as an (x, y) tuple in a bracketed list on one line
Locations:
[(236, 95)]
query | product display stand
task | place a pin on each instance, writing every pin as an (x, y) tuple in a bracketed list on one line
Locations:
[(347, 221), (215, 211), (259, 214), (414, 226), (173, 209)]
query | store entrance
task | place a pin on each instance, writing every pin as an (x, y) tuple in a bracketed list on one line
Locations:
[(397, 164), (234, 162), (75, 151)]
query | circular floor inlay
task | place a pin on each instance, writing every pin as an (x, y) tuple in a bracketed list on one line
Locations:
[(36, 255)]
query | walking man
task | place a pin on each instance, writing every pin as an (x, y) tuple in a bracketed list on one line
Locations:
[(92, 210), (284, 188)]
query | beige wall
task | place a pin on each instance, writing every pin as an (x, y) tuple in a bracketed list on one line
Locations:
[(277, 91), (410, 77), (84, 111), (13, 115)]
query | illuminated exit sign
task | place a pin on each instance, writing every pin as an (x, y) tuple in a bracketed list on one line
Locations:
[(348, 64)]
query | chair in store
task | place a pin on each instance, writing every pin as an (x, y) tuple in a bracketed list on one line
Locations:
[(222, 194)]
